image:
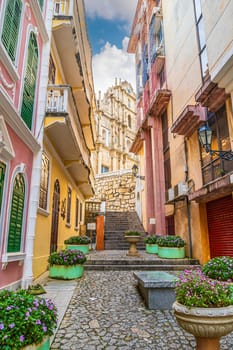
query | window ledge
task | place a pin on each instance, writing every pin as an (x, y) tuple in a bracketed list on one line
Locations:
[(68, 225), (9, 257), (12, 70), (43, 211)]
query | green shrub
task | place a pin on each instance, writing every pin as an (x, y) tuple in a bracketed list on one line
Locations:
[(25, 319), (78, 240), (219, 268), (171, 241), (132, 233), (67, 257), (151, 239), (194, 289)]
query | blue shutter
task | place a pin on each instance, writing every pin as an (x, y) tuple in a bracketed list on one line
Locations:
[(144, 65)]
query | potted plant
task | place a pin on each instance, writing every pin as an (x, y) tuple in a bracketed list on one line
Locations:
[(79, 243), (203, 307), (26, 321), (171, 247), (219, 268), (133, 237), (66, 264), (151, 242)]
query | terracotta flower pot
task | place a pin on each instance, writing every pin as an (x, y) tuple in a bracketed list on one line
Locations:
[(208, 325)]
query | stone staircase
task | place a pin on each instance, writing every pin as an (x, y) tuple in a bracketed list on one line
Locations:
[(116, 223), (118, 260)]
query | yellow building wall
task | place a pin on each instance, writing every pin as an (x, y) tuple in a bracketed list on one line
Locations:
[(44, 219)]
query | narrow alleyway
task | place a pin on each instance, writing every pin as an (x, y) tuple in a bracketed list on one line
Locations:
[(107, 312)]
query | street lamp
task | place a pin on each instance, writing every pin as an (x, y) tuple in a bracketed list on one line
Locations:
[(135, 172), (205, 137)]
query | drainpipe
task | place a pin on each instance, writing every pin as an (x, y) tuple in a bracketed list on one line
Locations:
[(188, 202)]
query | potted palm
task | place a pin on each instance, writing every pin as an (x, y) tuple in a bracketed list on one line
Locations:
[(26, 321), (79, 243), (171, 247), (66, 264), (203, 307), (151, 242), (133, 237)]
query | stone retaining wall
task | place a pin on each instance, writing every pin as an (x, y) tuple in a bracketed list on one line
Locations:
[(117, 189)]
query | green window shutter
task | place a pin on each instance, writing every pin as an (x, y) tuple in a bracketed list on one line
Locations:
[(16, 215), (2, 176), (11, 24), (30, 81), (41, 3)]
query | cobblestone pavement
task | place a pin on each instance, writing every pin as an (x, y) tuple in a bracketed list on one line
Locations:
[(107, 312)]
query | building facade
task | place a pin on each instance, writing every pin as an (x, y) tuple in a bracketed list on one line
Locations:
[(184, 74), (116, 127), (67, 177), (25, 28)]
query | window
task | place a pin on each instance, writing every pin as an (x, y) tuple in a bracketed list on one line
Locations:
[(129, 121), (41, 3), (144, 65), (2, 177), (81, 212), (104, 169), (10, 29), (166, 152), (77, 213), (201, 38), (16, 215), (68, 209), (30, 81), (44, 182), (152, 40), (213, 166), (52, 71)]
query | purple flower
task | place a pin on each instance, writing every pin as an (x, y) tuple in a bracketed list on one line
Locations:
[(21, 338), (38, 321), (1, 326), (44, 328), (11, 325)]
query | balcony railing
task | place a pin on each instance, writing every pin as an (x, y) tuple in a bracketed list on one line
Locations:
[(57, 98), (63, 8)]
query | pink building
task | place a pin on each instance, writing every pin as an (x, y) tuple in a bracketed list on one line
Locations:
[(153, 96), (24, 54)]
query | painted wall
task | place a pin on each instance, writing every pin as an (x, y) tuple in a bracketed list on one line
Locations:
[(43, 225)]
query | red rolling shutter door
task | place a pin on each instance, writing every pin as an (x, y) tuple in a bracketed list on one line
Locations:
[(220, 224)]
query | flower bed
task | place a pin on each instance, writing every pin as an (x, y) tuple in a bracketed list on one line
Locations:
[(25, 319), (67, 264)]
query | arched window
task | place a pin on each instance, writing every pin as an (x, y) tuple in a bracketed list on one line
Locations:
[(44, 182), (16, 215), (30, 81), (10, 29)]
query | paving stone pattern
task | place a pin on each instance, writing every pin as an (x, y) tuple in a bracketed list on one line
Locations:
[(107, 312)]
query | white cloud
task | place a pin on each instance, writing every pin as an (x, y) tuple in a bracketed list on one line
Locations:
[(111, 9), (113, 63)]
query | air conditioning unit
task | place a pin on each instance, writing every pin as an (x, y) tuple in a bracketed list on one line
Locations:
[(181, 189), (160, 50), (157, 11), (171, 194)]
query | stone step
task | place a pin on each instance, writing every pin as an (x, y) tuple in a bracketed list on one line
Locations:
[(135, 267), (136, 261)]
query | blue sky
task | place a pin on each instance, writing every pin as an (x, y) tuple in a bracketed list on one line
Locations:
[(109, 25)]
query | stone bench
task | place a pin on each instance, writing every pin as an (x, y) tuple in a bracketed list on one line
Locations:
[(157, 289)]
